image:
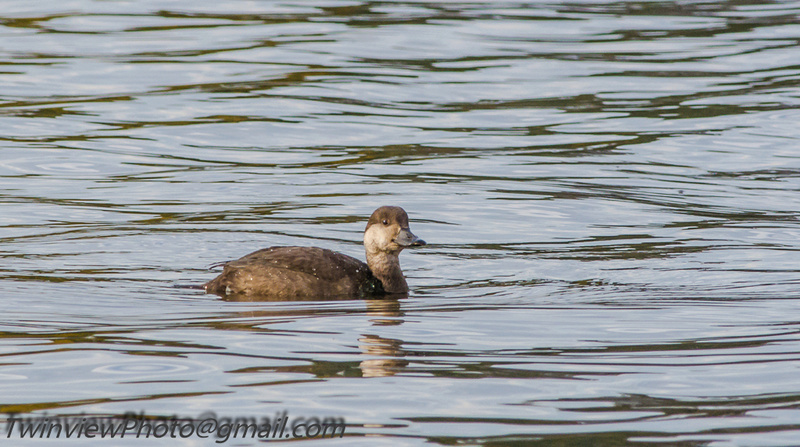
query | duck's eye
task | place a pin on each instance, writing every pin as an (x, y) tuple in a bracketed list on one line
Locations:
[(385, 222)]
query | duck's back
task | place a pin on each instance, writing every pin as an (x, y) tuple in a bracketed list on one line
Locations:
[(296, 272)]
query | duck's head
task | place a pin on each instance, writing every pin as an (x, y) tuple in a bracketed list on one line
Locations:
[(387, 231)]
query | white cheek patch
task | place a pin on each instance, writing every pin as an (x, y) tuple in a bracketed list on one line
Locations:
[(370, 238), (376, 238)]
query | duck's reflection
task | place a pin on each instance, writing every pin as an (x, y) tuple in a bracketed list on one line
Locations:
[(386, 356), (387, 353), (383, 357), (385, 312)]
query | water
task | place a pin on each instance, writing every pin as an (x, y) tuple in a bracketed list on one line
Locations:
[(609, 191)]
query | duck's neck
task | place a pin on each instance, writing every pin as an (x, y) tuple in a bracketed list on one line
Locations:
[(386, 267)]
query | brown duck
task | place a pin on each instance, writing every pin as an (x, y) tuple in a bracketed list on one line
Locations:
[(311, 272)]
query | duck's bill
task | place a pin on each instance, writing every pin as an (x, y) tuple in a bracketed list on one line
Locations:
[(405, 238)]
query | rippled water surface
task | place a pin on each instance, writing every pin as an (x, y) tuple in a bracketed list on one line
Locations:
[(609, 191)]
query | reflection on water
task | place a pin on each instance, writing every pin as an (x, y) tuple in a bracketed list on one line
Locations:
[(610, 190)]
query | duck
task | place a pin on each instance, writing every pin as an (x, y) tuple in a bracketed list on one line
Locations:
[(307, 273)]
